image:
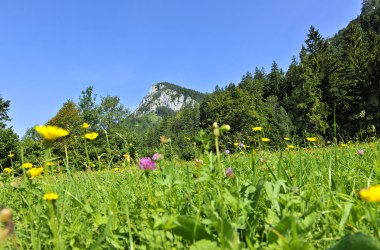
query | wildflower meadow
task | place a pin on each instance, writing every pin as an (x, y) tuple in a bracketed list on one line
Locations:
[(301, 196)]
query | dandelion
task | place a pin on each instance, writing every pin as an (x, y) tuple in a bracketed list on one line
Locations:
[(11, 155), (265, 139), (50, 164), (7, 170), (291, 146), (236, 144), (50, 196), (127, 157), (147, 164), (230, 172), (311, 139), (85, 125), (91, 136), (35, 172), (286, 138), (27, 165), (361, 152), (371, 194), (115, 169), (51, 133), (343, 145), (255, 129), (157, 157)]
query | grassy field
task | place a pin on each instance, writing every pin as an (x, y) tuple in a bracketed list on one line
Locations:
[(301, 198)]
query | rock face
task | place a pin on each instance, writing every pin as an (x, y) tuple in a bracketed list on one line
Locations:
[(167, 97)]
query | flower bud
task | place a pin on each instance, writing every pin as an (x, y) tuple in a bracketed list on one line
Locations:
[(225, 127)]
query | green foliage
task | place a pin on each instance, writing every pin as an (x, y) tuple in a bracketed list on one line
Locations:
[(357, 240), (4, 109), (283, 202), (8, 144)]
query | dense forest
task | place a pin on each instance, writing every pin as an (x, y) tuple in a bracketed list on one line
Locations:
[(331, 91)]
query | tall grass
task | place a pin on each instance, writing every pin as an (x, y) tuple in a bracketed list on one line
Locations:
[(305, 198)]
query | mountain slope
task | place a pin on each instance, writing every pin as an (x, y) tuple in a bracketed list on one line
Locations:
[(164, 98)]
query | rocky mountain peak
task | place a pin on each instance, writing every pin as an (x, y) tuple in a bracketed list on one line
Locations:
[(165, 97)]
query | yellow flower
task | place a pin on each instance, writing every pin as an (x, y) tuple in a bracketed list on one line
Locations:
[(49, 164), (7, 170), (291, 146), (236, 144), (11, 155), (91, 136), (27, 165), (311, 139), (343, 145), (85, 125), (127, 157), (265, 139), (286, 138), (116, 169), (50, 196), (371, 194), (51, 133), (257, 128), (35, 172)]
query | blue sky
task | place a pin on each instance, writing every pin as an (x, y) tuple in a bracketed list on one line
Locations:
[(51, 50)]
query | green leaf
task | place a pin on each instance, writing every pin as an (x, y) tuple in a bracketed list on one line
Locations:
[(256, 196), (305, 223), (185, 226), (204, 245), (281, 229), (357, 241), (347, 210)]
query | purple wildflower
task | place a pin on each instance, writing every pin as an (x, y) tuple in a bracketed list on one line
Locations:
[(241, 145), (230, 172), (227, 151), (147, 164), (157, 157), (361, 152)]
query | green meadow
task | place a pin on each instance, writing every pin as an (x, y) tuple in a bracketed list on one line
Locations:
[(306, 197)]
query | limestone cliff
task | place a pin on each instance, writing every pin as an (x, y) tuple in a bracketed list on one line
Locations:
[(166, 97)]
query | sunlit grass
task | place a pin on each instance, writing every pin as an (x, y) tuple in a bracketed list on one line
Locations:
[(258, 199)]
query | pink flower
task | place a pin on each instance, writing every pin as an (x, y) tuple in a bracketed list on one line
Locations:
[(361, 152), (230, 172), (147, 164), (157, 157)]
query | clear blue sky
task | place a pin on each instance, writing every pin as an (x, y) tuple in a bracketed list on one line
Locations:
[(51, 50)]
